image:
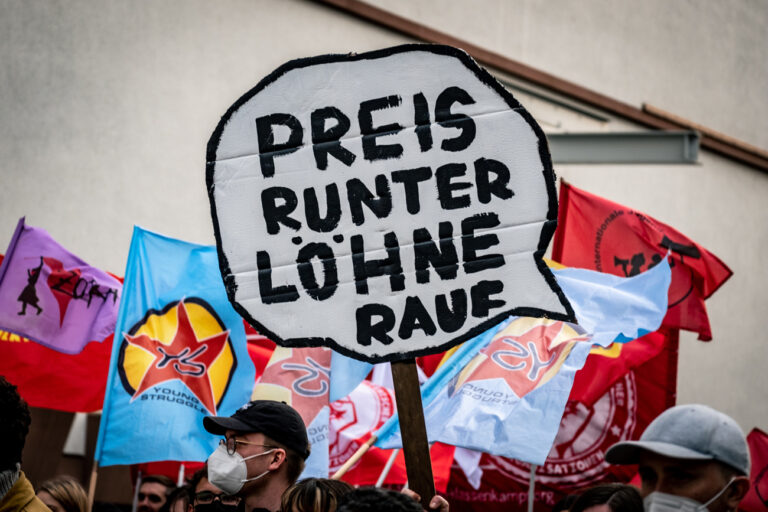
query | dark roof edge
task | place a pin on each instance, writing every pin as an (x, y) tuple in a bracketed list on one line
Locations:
[(724, 145)]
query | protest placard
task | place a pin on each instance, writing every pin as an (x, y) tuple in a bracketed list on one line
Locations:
[(387, 204)]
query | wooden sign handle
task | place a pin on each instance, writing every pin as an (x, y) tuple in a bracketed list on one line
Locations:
[(418, 465)]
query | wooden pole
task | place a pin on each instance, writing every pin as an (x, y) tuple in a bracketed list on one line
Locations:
[(418, 465), (354, 458), (92, 484)]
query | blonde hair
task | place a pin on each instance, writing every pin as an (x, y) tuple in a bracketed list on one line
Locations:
[(67, 491)]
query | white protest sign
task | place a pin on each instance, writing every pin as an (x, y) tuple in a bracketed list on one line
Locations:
[(387, 204)]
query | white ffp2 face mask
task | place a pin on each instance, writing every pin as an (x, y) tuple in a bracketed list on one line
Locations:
[(663, 502), (229, 472)]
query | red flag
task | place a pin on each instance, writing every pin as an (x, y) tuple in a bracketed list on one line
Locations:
[(605, 366), (168, 468), (260, 348), (52, 380), (598, 234), (756, 499), (576, 460)]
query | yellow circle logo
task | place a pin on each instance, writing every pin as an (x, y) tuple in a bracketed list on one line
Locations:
[(184, 341)]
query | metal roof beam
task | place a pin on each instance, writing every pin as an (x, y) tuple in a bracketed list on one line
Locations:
[(669, 147)]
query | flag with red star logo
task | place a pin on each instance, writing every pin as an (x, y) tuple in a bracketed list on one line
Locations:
[(179, 354)]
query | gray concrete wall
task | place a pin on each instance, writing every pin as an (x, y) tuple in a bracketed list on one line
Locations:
[(107, 108), (703, 60)]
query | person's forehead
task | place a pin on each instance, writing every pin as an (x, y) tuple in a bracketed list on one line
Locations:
[(205, 485), (153, 487), (598, 508), (252, 437)]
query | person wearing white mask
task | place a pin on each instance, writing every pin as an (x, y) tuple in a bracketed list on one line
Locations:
[(262, 453), (690, 458)]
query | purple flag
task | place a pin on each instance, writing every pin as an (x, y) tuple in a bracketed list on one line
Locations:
[(53, 297)]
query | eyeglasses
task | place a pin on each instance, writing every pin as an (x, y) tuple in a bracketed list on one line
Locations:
[(231, 444), (207, 497), (153, 498)]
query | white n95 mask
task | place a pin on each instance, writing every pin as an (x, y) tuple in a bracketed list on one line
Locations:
[(229, 472), (663, 502)]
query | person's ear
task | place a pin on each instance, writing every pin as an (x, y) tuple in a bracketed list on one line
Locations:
[(278, 457), (736, 492)]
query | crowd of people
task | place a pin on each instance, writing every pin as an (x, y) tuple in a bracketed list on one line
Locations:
[(690, 458)]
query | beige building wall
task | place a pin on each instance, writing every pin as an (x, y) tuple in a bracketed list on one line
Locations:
[(107, 107)]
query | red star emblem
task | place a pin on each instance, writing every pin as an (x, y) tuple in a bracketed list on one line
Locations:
[(62, 284), (186, 358)]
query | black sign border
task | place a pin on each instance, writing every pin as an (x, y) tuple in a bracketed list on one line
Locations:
[(547, 232)]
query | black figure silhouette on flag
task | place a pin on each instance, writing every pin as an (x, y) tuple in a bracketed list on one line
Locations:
[(28, 295)]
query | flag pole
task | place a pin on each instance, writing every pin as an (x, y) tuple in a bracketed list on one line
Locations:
[(92, 484), (180, 478), (354, 458), (531, 487), (387, 467), (135, 502)]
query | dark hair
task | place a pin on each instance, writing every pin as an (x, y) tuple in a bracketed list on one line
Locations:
[(14, 426), (564, 504), (169, 484), (295, 465), (729, 471), (294, 462), (314, 495), (373, 499), (67, 491), (199, 475), (183, 494), (618, 497)]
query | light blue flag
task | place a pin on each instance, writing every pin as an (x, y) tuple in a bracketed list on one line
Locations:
[(504, 392), (316, 465), (179, 354), (613, 308), (346, 375)]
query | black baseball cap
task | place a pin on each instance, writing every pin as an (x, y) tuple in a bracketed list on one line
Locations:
[(276, 420)]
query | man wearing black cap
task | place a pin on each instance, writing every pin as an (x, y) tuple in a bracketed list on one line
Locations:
[(262, 454), (690, 458)]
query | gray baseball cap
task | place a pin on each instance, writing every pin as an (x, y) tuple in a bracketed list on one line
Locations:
[(694, 432)]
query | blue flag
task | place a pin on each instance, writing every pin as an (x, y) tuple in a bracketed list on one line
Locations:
[(179, 354), (346, 375), (504, 392)]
